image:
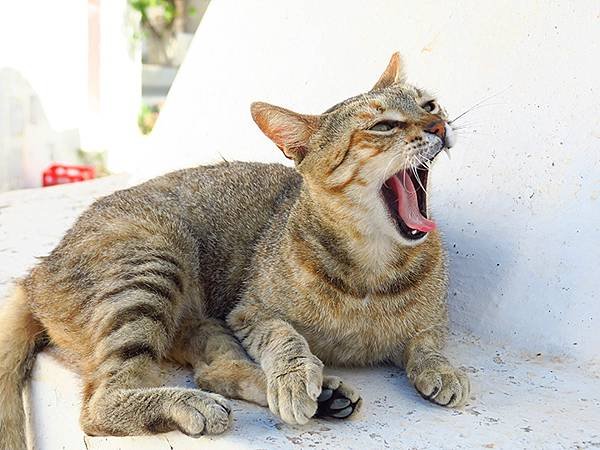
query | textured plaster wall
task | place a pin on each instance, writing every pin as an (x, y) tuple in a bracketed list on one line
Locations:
[(518, 202)]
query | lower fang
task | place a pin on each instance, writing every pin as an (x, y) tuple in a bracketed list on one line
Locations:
[(413, 232)]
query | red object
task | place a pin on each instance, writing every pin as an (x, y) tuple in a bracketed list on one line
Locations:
[(65, 173)]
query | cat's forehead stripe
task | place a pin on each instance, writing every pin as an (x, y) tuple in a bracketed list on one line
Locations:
[(395, 98)]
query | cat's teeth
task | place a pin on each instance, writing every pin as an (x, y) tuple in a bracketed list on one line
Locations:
[(413, 232), (447, 150)]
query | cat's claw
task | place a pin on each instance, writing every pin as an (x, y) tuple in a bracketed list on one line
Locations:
[(337, 400)]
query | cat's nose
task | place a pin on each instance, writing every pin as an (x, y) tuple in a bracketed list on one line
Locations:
[(437, 127)]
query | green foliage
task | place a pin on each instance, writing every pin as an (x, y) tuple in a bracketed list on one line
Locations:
[(142, 6), (147, 118)]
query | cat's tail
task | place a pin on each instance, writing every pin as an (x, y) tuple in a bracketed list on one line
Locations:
[(20, 336)]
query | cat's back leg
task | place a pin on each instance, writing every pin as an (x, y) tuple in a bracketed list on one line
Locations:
[(220, 363), (117, 309), (122, 393)]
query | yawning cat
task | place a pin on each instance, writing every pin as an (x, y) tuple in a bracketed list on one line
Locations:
[(253, 274)]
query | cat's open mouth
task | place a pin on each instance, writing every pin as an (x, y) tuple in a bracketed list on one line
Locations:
[(404, 195)]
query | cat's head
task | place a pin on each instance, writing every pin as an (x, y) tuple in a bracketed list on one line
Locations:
[(373, 149)]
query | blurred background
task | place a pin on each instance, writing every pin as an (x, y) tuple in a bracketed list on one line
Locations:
[(82, 81)]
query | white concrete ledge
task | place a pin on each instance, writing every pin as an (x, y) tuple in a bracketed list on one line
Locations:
[(519, 400)]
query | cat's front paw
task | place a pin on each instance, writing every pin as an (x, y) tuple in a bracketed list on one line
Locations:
[(292, 391), (338, 399), (443, 385)]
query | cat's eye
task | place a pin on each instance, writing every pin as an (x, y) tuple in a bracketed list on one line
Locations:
[(430, 106), (387, 125)]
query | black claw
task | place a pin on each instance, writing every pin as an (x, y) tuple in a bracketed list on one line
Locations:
[(225, 408), (451, 400), (334, 404), (430, 396)]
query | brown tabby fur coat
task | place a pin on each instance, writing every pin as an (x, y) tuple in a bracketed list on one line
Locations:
[(253, 274)]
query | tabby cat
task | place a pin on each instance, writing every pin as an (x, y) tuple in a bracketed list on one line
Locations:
[(255, 275)]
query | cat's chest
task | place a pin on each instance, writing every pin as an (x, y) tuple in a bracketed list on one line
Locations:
[(360, 331)]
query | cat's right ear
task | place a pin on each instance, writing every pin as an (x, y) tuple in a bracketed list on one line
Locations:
[(394, 73), (290, 131)]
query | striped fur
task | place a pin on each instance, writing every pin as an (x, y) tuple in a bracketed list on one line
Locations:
[(21, 335), (252, 274)]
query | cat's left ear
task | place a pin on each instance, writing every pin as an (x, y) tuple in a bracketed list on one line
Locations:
[(290, 131), (394, 73)]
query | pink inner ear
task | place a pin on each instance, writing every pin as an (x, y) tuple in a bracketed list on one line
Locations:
[(289, 140), (288, 130)]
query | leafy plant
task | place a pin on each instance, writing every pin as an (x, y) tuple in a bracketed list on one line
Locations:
[(147, 118), (168, 7), (161, 22)]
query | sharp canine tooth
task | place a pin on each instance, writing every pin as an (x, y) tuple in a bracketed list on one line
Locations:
[(447, 150), (413, 232)]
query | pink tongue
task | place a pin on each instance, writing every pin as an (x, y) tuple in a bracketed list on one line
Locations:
[(408, 206)]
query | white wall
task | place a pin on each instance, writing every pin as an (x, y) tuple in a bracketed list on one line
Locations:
[(43, 71), (115, 127), (44, 58), (47, 44), (518, 202)]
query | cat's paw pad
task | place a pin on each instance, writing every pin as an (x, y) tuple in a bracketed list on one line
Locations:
[(200, 413), (447, 387), (337, 399)]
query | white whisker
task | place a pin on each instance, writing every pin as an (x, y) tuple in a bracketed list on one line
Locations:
[(479, 104), (384, 175), (414, 169)]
